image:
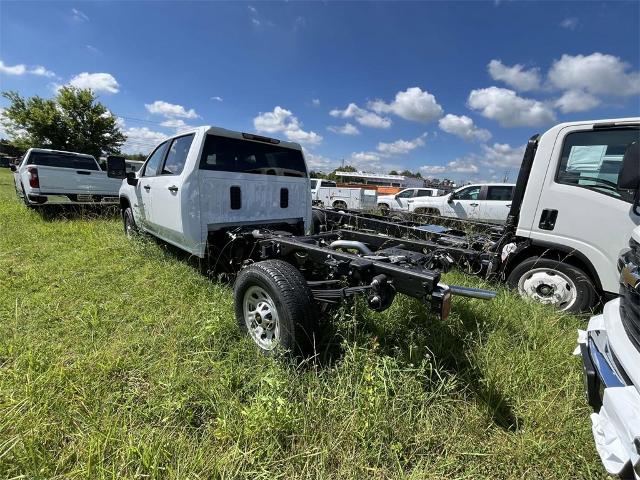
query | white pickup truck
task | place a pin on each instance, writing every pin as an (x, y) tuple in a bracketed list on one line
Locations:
[(484, 202), (46, 177), (240, 202), (610, 350), (403, 199)]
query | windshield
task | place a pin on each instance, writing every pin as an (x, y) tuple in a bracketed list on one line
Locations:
[(246, 156), (62, 160)]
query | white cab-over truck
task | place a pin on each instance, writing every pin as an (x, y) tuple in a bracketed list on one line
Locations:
[(568, 218), (487, 202), (326, 193), (402, 199), (240, 203), (49, 177), (610, 350)]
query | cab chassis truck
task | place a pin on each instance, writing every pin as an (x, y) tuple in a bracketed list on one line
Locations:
[(567, 224), (240, 203)]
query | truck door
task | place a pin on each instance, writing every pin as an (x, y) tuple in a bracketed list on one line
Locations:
[(143, 189), (464, 203), (580, 206), (166, 208), (497, 203), (403, 198)]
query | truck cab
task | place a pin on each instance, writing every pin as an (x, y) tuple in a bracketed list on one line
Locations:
[(571, 217), (206, 180), (403, 199)]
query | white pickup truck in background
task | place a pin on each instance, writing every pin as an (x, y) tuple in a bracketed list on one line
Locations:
[(46, 177), (326, 193), (483, 202), (402, 199)]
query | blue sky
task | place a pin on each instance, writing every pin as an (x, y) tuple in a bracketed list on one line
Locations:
[(451, 89)]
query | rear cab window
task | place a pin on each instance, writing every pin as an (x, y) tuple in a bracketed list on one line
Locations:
[(177, 155), (62, 160), (592, 159), (246, 156)]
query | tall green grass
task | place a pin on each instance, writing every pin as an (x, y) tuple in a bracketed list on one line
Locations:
[(119, 360)]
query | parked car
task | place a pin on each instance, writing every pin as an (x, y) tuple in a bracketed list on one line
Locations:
[(46, 177), (610, 350), (240, 202), (483, 202), (402, 199)]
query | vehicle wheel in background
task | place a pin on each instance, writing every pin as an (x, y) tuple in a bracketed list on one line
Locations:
[(554, 282), (318, 219), (427, 211), (340, 204), (275, 306), (25, 199), (384, 208), (130, 227)]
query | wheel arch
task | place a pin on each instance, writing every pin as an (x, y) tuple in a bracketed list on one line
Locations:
[(554, 251)]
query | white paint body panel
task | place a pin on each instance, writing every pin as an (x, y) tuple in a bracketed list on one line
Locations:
[(593, 224), (354, 198), (400, 202), (202, 205)]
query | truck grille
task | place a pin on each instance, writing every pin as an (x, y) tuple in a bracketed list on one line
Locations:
[(630, 292)]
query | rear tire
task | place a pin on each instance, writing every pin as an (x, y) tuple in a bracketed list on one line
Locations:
[(275, 306), (554, 282), (130, 227), (384, 207), (340, 205)]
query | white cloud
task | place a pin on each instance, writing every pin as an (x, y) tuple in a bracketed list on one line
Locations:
[(346, 129), (98, 82), (597, 73), (433, 169), (576, 101), (401, 147), (177, 124), (498, 155), (508, 108), (141, 140), (570, 23), (502, 155), (516, 76), (362, 116), (19, 69), (320, 162), (216, 98), (42, 72), (93, 49), (79, 16), (463, 127), (359, 157), (315, 102), (281, 120), (170, 110), (412, 104)]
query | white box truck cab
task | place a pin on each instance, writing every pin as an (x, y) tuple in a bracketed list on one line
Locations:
[(240, 202), (569, 215), (610, 350)]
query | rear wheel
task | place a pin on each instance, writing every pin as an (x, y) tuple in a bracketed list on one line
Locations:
[(130, 227), (340, 204), (427, 211), (384, 207), (275, 306), (553, 282)]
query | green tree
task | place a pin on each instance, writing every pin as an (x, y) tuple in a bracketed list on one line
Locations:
[(393, 172), (74, 120)]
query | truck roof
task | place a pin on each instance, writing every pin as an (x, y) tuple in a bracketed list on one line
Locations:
[(48, 150), (223, 132)]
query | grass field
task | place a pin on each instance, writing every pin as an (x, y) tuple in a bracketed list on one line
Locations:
[(119, 360)]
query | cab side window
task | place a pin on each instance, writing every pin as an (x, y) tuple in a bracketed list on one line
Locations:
[(423, 193), (500, 192), (593, 159), (152, 168), (470, 193), (177, 155)]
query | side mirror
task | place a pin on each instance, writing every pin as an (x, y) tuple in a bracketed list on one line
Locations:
[(131, 179), (629, 177), (13, 168), (116, 167), (451, 198)]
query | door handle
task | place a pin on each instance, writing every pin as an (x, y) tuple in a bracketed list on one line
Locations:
[(172, 188), (474, 204), (147, 187)]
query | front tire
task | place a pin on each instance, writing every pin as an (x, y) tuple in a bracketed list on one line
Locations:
[(553, 282), (275, 306)]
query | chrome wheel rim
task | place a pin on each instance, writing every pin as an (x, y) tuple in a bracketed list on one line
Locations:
[(261, 317), (548, 286)]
